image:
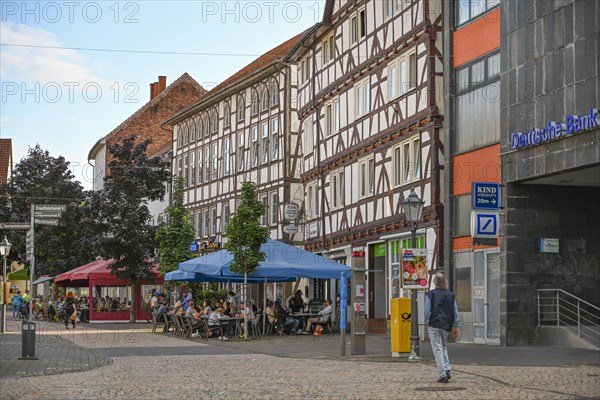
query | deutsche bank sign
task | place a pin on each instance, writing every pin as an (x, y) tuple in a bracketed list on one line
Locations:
[(484, 224), (573, 124), (486, 195)]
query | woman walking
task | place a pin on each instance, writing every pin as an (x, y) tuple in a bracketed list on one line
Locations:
[(70, 310)]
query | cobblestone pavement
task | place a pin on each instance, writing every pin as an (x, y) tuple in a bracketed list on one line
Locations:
[(154, 366)]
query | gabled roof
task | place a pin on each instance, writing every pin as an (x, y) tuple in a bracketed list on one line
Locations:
[(185, 77), (281, 53), (5, 159)]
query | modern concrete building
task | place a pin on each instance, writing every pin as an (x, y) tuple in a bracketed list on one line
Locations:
[(550, 156)]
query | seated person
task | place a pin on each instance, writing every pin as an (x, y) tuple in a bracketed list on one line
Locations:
[(324, 316), (176, 308), (298, 298), (214, 324), (294, 306), (289, 321), (163, 309), (206, 308), (246, 311), (227, 309)]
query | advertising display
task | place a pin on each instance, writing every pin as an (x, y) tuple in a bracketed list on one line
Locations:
[(414, 268)]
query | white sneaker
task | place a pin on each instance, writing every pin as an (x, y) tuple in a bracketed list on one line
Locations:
[(220, 337), (225, 338), (195, 334)]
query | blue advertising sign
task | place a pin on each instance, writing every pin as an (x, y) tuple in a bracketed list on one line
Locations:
[(343, 297), (486, 195), (194, 246)]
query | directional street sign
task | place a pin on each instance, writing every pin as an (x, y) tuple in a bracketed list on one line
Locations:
[(46, 221), (47, 214), (486, 195), (484, 224), (15, 225), (50, 207)]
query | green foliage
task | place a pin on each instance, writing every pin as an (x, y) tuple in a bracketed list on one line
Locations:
[(244, 232), (133, 181), (40, 178), (211, 296), (176, 233)]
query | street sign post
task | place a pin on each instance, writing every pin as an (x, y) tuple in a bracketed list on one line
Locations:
[(486, 196), (47, 214), (50, 207), (14, 225), (46, 221)]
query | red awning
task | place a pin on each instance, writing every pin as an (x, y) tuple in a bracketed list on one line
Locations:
[(97, 270)]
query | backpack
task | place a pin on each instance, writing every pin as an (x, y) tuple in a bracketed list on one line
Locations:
[(318, 330)]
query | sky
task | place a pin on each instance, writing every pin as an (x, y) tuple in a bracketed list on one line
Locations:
[(72, 71)]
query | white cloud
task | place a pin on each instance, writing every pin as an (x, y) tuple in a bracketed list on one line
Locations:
[(31, 64)]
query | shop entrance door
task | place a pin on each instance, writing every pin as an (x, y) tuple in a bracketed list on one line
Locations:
[(486, 296)]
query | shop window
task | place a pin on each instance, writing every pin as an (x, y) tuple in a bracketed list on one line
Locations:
[(111, 298)]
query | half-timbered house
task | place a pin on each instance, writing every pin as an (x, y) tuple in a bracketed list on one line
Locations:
[(243, 129), (370, 102)]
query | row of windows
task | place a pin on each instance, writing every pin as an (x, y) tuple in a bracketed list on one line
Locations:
[(406, 168), (471, 9), (478, 73), (202, 165), (207, 218), (402, 78), (208, 122)]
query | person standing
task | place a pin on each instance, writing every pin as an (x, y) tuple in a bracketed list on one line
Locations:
[(16, 304), (70, 309), (441, 316)]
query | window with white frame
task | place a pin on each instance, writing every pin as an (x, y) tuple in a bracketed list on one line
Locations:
[(206, 163), (254, 153), (362, 98), (332, 117), (264, 142), (213, 221), (198, 224), (215, 160), (185, 171), (336, 188), (358, 26), (254, 103), (366, 176), (214, 121), (226, 216), (407, 161), (402, 75), (185, 135), (264, 98), (193, 131), (274, 92), (308, 137), (241, 152), (264, 218), (200, 166), (312, 201), (274, 209), (206, 220), (205, 126), (328, 48), (226, 116), (274, 138), (226, 156), (241, 108), (179, 167), (193, 168), (304, 70)]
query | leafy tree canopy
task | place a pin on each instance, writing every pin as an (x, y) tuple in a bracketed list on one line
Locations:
[(244, 232), (175, 234)]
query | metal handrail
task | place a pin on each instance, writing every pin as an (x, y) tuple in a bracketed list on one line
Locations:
[(568, 312)]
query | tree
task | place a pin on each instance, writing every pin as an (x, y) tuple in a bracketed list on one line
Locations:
[(245, 235), (40, 178), (132, 182), (176, 233)]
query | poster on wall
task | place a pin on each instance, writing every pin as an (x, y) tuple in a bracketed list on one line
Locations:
[(414, 268)]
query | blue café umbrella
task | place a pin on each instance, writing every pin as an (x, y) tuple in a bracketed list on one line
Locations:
[(281, 261), (183, 276)]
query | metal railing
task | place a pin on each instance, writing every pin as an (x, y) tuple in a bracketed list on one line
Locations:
[(559, 308)]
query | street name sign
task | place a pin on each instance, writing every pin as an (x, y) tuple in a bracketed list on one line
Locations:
[(290, 229), (484, 224), (46, 221), (50, 207), (47, 214), (486, 195), (15, 225)]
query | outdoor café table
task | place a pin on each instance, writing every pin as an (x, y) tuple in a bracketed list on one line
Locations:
[(226, 326), (303, 317)]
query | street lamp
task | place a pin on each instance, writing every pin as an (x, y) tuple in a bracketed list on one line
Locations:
[(412, 206), (5, 246)]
